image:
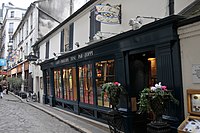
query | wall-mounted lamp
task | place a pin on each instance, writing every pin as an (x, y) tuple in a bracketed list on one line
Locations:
[(135, 23), (54, 54), (77, 44)]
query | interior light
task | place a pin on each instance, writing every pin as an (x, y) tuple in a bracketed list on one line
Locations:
[(151, 59)]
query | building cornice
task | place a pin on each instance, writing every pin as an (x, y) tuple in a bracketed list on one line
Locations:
[(189, 21)]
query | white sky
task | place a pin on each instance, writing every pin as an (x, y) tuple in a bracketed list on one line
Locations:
[(18, 3)]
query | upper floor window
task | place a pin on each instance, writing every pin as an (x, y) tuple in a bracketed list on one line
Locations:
[(22, 32), (11, 27), (66, 39), (31, 21), (31, 43), (10, 39), (27, 27), (21, 53), (47, 50), (36, 51), (12, 14), (26, 49), (20, 35)]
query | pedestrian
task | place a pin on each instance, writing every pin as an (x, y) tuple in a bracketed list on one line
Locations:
[(4, 84), (1, 91)]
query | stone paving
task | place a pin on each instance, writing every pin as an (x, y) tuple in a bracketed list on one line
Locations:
[(19, 117)]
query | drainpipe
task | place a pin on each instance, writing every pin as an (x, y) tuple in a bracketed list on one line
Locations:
[(171, 7)]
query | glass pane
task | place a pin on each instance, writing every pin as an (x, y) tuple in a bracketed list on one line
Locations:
[(48, 83), (69, 81), (85, 83), (57, 84), (104, 73)]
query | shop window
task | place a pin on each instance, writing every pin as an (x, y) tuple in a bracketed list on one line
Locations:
[(48, 83), (69, 82), (57, 84), (104, 73), (85, 84)]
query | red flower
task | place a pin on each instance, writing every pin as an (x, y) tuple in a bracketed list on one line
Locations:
[(116, 83), (164, 88)]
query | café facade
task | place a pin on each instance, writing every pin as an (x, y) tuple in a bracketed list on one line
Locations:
[(136, 59)]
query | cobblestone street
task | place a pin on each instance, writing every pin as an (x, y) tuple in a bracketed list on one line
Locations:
[(19, 117)]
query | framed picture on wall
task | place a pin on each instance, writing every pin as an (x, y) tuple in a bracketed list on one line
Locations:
[(193, 98)]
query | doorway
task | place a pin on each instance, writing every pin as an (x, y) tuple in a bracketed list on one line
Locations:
[(143, 71)]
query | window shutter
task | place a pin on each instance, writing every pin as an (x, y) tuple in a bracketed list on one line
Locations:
[(47, 50), (62, 41), (71, 36), (95, 25)]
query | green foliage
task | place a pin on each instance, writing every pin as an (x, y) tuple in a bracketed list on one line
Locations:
[(155, 100), (113, 91), (15, 82)]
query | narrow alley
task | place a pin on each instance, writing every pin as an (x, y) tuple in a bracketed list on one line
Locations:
[(19, 117)]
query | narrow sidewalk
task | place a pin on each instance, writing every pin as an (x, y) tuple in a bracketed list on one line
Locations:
[(80, 123)]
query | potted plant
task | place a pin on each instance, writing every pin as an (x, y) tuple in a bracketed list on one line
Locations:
[(113, 90), (154, 100)]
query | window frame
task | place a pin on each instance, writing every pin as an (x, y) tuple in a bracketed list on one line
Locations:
[(12, 14), (60, 93), (95, 77), (74, 90), (93, 101)]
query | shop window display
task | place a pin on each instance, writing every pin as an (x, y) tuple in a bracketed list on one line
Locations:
[(105, 72), (85, 84), (48, 83), (69, 82), (57, 84)]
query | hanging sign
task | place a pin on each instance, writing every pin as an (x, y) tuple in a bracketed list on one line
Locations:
[(108, 14), (31, 57)]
